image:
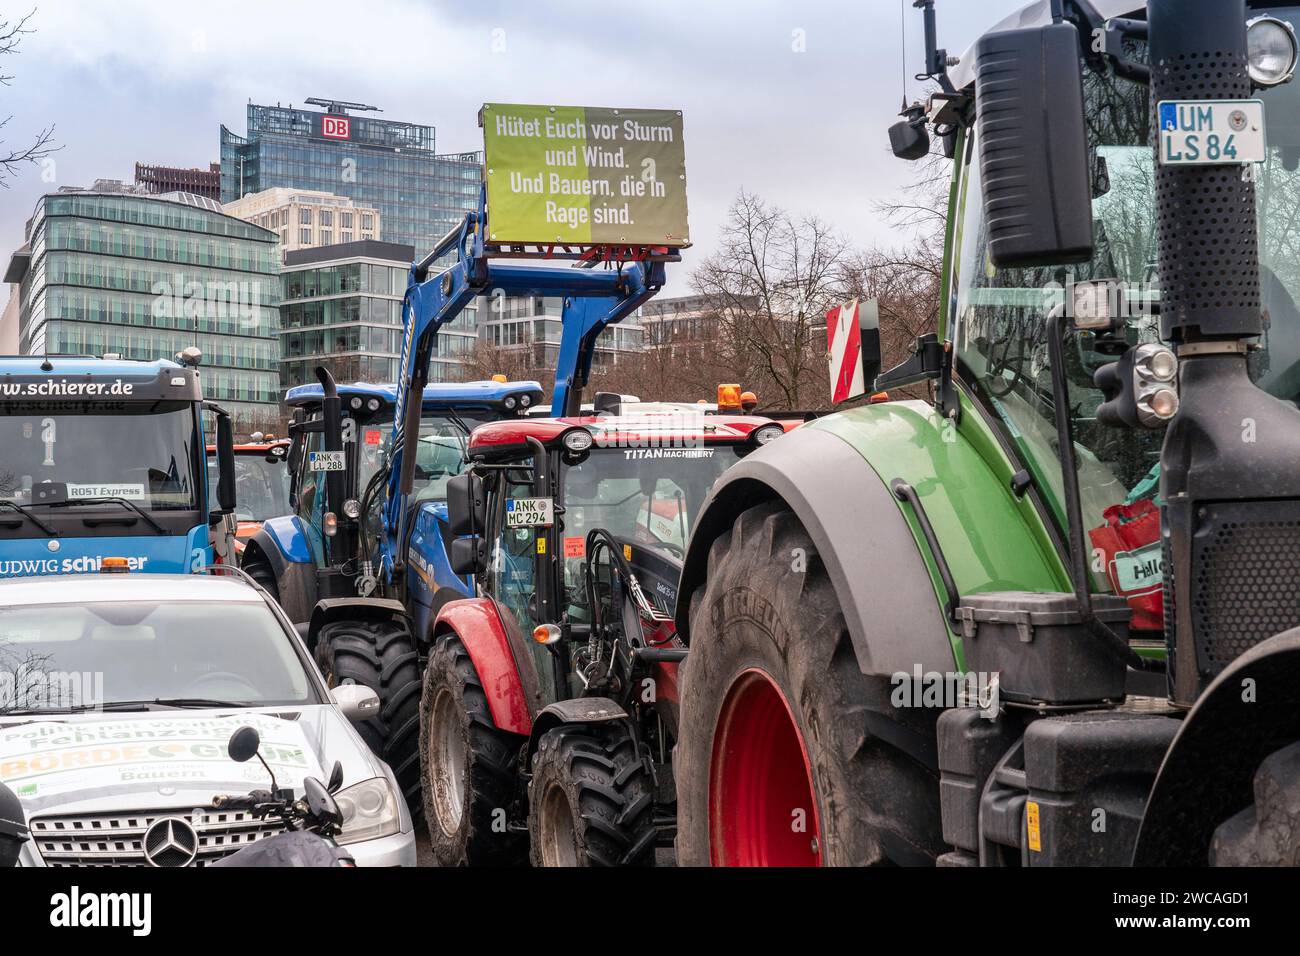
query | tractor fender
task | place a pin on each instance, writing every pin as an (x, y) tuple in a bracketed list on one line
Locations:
[(579, 710), (880, 578), (282, 544), (476, 622), (1249, 711), (352, 609), (284, 537)]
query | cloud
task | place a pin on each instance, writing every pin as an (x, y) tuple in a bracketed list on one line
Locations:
[(787, 99)]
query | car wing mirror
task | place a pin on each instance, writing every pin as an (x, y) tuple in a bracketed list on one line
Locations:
[(357, 701)]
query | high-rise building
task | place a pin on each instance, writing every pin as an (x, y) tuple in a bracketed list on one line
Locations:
[(113, 270), (306, 218), (172, 179), (385, 164), (342, 308)]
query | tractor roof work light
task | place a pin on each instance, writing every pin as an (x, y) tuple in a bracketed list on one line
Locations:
[(1270, 50), (577, 439), (767, 433)]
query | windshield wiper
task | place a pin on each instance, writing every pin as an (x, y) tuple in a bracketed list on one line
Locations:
[(192, 702), (48, 529), (166, 703), (127, 705), (112, 499)]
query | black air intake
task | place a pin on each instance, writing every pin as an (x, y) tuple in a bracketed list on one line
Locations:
[(1209, 246)]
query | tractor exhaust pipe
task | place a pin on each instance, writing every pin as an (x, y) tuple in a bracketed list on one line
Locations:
[(1231, 519)]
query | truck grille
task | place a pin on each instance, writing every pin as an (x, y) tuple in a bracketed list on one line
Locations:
[(117, 839)]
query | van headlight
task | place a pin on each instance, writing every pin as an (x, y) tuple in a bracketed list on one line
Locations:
[(369, 811), (1270, 50)]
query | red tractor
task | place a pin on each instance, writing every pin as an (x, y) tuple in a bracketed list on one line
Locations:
[(549, 707)]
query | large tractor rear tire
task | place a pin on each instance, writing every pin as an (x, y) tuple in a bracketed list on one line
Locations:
[(1267, 833), (382, 656), (775, 763), (591, 799), (468, 765)]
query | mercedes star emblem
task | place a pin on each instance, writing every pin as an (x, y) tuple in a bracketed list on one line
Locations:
[(170, 842)]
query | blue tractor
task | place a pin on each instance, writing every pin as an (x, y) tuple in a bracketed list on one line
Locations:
[(325, 548), (104, 458), (367, 584), (322, 558)]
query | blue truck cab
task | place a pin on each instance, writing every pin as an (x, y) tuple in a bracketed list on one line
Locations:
[(101, 457), (314, 553)]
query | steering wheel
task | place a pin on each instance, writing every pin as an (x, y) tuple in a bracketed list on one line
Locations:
[(195, 687)]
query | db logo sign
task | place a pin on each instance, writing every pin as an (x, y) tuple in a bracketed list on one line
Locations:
[(335, 127)]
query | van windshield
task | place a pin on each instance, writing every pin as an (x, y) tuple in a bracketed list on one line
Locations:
[(61, 450)]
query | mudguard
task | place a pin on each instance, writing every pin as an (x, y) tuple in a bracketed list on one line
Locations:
[(578, 710), (475, 622), (355, 609), (286, 537), (1249, 711), (835, 474), (284, 545), (868, 549)]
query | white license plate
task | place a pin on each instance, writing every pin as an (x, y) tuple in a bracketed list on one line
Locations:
[(1211, 132), (326, 461), (530, 512)]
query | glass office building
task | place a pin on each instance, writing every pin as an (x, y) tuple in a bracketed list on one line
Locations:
[(147, 276), (342, 308), (389, 165), (532, 324)]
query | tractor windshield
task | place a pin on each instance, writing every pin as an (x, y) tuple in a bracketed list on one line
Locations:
[(647, 495), (261, 486), (1000, 320), (439, 453)]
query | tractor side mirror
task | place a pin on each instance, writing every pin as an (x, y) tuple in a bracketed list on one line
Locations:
[(466, 506), (469, 555), (1033, 147), (225, 464)]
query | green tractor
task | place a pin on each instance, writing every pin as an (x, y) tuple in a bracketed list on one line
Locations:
[(1045, 618)]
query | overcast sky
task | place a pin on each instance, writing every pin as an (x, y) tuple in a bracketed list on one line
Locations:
[(790, 100)]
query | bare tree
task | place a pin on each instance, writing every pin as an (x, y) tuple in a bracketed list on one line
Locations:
[(769, 285), (11, 34)]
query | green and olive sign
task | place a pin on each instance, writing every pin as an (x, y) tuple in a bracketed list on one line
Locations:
[(584, 175)]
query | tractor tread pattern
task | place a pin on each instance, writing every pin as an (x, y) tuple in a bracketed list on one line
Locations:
[(380, 655), (491, 767), (609, 787)]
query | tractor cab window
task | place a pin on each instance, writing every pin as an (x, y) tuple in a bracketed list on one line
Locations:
[(649, 496), (999, 323), (439, 452)]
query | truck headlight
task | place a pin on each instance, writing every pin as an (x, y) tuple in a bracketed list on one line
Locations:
[(369, 811), (1270, 50)]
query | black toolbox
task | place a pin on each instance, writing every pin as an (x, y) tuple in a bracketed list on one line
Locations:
[(1038, 644)]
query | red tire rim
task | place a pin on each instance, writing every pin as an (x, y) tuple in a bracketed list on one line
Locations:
[(762, 806)]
